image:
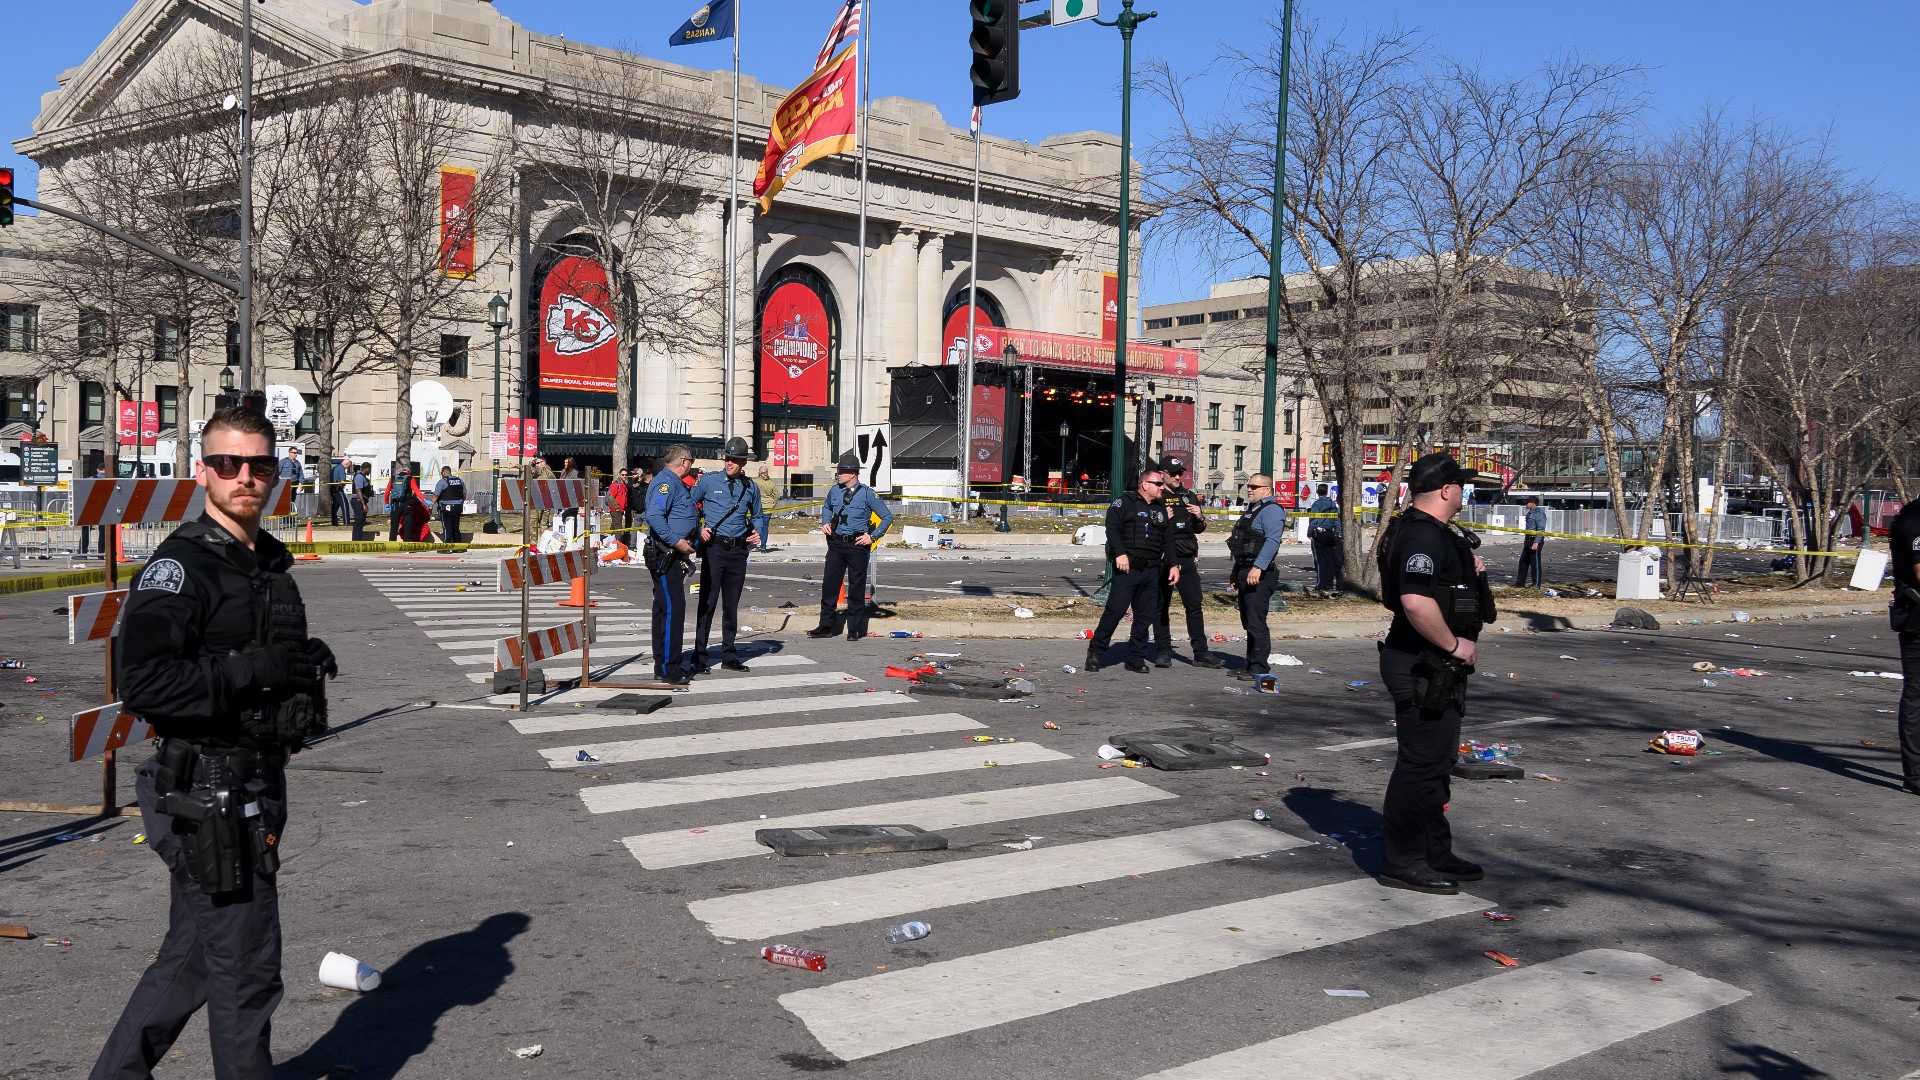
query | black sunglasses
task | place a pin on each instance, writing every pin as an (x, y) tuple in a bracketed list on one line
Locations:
[(1155, 483), (227, 466)]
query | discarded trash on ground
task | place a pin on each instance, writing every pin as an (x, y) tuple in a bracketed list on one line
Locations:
[(343, 972), (795, 957), (1284, 660), (1262, 815), (584, 756), (1346, 993), (1266, 684), (1681, 743), (1497, 916), (1501, 958), (911, 931), (533, 1051)]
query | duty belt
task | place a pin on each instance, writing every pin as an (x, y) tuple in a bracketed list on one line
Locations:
[(732, 541)]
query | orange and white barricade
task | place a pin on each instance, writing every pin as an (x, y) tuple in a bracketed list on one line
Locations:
[(150, 502), (98, 730), (554, 569), (541, 644), (94, 616), (546, 494)]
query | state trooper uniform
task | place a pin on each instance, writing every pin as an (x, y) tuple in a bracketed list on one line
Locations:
[(1904, 543), (1184, 526), (1254, 544), (1421, 555), (846, 516), (729, 509), (672, 518), (214, 654), (1137, 529)]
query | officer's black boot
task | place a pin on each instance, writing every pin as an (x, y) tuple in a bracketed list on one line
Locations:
[(1203, 658), (1138, 665), (1093, 661), (1163, 658)]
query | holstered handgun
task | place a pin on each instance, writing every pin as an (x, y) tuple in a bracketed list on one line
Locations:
[(207, 821), (1440, 683)]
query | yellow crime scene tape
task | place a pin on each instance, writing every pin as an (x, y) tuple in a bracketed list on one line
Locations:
[(65, 579)]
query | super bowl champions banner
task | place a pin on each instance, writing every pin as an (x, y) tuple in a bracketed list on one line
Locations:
[(579, 346)]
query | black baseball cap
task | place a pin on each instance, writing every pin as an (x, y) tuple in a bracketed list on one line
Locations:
[(1175, 465), (1435, 471)]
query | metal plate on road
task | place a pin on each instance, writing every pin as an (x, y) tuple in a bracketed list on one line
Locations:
[(1181, 751), (850, 840), (635, 704)]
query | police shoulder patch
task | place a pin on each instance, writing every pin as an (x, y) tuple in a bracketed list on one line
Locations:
[(1115, 502), (1420, 564), (165, 574)]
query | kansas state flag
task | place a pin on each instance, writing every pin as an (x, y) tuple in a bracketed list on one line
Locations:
[(711, 23)]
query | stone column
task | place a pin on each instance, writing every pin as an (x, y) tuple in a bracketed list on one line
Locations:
[(931, 350), (902, 292), (701, 383)]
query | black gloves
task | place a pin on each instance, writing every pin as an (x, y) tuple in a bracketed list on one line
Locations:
[(321, 657), (275, 671)]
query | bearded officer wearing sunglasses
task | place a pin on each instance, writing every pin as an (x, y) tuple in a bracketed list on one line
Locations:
[(1137, 534), (214, 654)]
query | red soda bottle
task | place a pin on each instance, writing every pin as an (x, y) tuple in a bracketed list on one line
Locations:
[(793, 956)]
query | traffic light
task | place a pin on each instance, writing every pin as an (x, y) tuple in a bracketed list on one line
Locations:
[(6, 196), (996, 50)]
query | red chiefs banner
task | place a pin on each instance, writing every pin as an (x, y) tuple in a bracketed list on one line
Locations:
[(579, 345), (1176, 430), (456, 221), (523, 436), (786, 449), (1109, 307), (796, 350), (139, 422), (987, 437), (956, 337), (817, 120), (1083, 353)]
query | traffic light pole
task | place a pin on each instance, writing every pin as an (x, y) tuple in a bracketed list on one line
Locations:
[(245, 287), (188, 265)]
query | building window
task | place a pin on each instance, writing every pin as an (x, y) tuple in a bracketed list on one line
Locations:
[(19, 327), (1213, 417), (311, 347), (166, 342), (1213, 456), (1288, 459), (453, 356), (1253, 313), (93, 333), (93, 405), (1159, 324), (17, 405), (233, 344), (169, 399), (1286, 422), (1228, 315), (1239, 418), (309, 422), (1239, 458), (1194, 319)]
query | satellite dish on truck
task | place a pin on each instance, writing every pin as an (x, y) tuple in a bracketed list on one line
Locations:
[(432, 405)]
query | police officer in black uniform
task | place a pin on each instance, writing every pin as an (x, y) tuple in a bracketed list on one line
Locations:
[(729, 508), (1905, 544), (1437, 589), (1137, 549), (1184, 525), (214, 654)]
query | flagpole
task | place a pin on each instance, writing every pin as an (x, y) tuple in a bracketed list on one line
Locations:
[(965, 456), (732, 232), (860, 277)]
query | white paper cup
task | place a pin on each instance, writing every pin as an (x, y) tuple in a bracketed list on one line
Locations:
[(343, 972)]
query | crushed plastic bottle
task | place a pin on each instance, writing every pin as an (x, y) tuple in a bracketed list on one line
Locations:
[(793, 956), (907, 931), (907, 634), (1741, 616), (1069, 669), (1262, 815)]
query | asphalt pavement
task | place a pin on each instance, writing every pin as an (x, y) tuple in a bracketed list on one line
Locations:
[(1740, 913)]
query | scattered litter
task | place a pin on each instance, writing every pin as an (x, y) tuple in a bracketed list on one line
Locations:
[(343, 972), (15, 930), (533, 1051), (907, 634), (1346, 993), (1549, 592), (1356, 684), (1285, 660), (1069, 669), (1234, 690), (1708, 682), (56, 942), (1024, 845), (1682, 743), (30, 679), (67, 836), (1266, 684), (1130, 763), (1108, 765), (1546, 776), (139, 838), (1706, 665), (1856, 674), (1050, 725), (1565, 656), (10, 663), (1022, 613), (913, 931), (1501, 958), (1108, 752), (793, 956), (584, 756), (1741, 616), (354, 803), (1262, 815), (1497, 916)]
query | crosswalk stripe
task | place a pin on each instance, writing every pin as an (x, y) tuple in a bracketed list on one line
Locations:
[(546, 725), (862, 1017), (721, 742), (772, 660), (797, 908), (734, 840), (1507, 1025), (1389, 740), (738, 685), (706, 787)]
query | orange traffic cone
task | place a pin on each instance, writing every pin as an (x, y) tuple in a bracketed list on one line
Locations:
[(120, 546), (309, 530), (578, 597), (843, 593)]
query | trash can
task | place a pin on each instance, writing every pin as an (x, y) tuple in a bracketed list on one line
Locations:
[(1637, 576), (1869, 570)]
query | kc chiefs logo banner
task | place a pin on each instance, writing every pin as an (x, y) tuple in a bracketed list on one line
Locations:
[(818, 119), (579, 343)]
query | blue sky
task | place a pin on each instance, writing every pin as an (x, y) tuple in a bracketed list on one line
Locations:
[(1844, 67)]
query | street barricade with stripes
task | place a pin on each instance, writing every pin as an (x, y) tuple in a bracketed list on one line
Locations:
[(541, 644), (131, 502), (104, 728), (94, 616), (555, 569), (546, 494)]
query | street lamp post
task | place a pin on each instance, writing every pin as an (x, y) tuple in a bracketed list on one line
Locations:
[(497, 320), (1276, 285), (1127, 21), (1066, 430), (1299, 396)]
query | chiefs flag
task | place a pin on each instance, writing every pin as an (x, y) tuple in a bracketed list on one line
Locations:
[(456, 221), (818, 119), (579, 344)]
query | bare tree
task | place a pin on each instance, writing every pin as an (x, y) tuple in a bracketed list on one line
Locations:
[(627, 156)]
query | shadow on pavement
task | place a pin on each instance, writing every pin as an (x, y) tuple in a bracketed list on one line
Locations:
[(1800, 753), (1354, 825), (379, 1033)]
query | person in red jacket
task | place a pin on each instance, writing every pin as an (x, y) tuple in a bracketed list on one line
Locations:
[(619, 493), (407, 504)]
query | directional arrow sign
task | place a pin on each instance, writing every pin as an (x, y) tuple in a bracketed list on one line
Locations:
[(873, 442)]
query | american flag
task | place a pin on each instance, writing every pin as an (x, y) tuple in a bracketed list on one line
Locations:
[(846, 27)]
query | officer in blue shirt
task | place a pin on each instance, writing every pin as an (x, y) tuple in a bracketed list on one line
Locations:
[(672, 519), (1329, 559), (729, 506), (847, 521), (1256, 543), (1533, 546)]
